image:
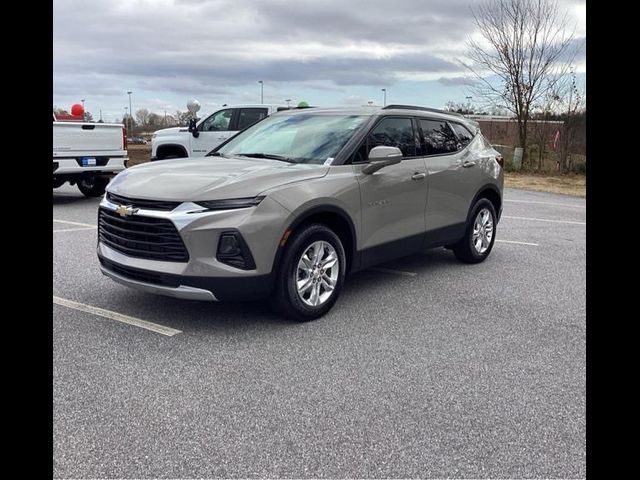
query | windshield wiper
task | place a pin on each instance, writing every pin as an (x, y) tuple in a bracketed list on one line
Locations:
[(266, 155)]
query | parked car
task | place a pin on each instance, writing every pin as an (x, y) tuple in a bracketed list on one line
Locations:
[(209, 132), (289, 206), (88, 154)]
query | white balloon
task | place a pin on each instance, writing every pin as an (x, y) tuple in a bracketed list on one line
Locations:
[(193, 105)]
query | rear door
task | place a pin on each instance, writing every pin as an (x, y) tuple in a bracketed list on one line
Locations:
[(393, 199), (249, 116), (449, 185), (213, 131)]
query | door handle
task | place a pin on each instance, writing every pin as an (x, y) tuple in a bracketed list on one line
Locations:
[(468, 163), (418, 176)]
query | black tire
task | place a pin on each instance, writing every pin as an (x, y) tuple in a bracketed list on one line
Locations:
[(169, 157), (93, 186), (464, 250), (286, 300)]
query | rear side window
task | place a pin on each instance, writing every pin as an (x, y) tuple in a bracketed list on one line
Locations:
[(464, 135), (249, 116), (438, 137), (389, 132)]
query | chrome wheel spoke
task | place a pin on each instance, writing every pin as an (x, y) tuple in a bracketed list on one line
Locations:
[(315, 294), (305, 284), (329, 262)]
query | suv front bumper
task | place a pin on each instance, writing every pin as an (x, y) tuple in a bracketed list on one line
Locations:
[(203, 276)]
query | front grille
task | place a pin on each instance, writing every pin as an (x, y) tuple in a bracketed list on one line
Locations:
[(141, 237), (145, 204), (145, 276)]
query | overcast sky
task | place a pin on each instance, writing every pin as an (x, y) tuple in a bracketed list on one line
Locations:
[(327, 52)]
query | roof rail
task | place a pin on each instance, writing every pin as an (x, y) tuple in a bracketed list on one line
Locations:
[(426, 109)]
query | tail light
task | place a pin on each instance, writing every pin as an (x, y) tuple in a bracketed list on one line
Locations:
[(124, 138), (500, 160)]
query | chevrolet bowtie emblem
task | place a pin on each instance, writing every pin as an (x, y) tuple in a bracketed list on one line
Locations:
[(126, 210)]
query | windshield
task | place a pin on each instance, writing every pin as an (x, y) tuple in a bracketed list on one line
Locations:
[(300, 138)]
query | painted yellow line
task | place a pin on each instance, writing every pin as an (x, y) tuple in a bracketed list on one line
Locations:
[(395, 272), (74, 223), (74, 229), (118, 317), (568, 222), (518, 243)]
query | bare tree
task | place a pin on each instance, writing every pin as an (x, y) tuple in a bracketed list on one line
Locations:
[(142, 116), (523, 44)]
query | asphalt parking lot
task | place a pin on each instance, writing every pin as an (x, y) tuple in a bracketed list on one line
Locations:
[(425, 368)]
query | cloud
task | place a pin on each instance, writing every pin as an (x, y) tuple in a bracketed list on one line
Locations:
[(457, 81), (222, 47)]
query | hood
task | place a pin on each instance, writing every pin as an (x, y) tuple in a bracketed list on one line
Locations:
[(209, 178), (170, 131)]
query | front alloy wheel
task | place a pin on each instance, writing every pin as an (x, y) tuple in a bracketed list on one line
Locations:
[(317, 274), (311, 273)]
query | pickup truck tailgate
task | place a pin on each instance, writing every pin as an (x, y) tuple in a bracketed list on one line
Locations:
[(70, 139)]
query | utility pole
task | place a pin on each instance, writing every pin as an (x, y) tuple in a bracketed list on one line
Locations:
[(130, 113), (261, 91), (384, 100)]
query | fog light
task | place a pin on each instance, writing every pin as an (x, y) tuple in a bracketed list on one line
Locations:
[(233, 250), (229, 246)]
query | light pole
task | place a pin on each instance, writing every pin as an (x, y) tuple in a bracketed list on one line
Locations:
[(384, 99), (126, 118), (288, 100), (130, 113), (468, 104), (261, 91), (84, 116)]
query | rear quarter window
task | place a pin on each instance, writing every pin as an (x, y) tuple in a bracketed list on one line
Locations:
[(464, 135)]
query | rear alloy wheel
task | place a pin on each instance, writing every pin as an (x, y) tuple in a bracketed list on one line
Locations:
[(93, 186), (479, 235), (311, 275)]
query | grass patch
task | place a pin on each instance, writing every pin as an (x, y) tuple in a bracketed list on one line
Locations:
[(569, 184)]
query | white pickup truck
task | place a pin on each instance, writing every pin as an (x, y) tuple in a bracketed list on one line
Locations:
[(88, 154), (209, 132)]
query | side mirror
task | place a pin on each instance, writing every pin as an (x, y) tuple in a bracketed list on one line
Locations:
[(193, 128), (380, 157)]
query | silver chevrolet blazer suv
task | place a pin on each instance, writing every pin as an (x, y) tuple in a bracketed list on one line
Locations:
[(287, 208)]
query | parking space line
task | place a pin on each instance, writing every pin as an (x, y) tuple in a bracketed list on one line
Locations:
[(546, 203), (74, 223), (118, 317), (568, 222), (74, 229), (519, 243), (395, 272)]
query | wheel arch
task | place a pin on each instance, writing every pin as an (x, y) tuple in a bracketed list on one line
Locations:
[(169, 148), (333, 217), (491, 193)]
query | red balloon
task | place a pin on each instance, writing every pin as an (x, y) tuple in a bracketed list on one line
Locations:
[(77, 110)]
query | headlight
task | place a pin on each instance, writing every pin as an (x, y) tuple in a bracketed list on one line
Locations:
[(231, 203)]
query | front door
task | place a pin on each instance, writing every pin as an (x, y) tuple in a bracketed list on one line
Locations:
[(213, 131), (393, 199)]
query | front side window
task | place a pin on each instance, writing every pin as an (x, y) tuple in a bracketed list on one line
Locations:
[(298, 138), (218, 122), (464, 135), (438, 137), (249, 116), (389, 132)]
